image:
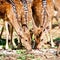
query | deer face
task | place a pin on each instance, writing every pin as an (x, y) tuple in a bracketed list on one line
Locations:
[(26, 41)]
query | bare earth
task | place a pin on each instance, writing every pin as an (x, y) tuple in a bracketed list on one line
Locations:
[(43, 54)]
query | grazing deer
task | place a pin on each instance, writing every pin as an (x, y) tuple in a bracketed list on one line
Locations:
[(13, 15), (43, 12), (38, 22)]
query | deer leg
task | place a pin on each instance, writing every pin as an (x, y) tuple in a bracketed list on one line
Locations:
[(2, 31), (58, 17), (7, 34), (19, 42), (47, 34), (12, 43), (51, 39)]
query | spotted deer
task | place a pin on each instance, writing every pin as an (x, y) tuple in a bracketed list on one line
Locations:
[(14, 13)]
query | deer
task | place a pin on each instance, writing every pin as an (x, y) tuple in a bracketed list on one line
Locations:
[(43, 12), (13, 17), (37, 20)]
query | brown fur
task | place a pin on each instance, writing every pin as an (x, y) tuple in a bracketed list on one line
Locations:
[(38, 16), (6, 10)]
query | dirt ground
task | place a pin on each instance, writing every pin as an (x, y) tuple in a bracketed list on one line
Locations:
[(43, 54)]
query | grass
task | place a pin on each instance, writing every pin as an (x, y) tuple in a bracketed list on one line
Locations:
[(24, 55), (58, 39), (2, 41)]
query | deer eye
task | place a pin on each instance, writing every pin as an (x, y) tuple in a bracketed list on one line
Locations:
[(25, 40)]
